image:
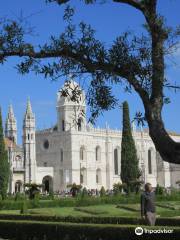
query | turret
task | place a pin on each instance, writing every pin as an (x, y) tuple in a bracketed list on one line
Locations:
[(71, 112), (29, 144), (11, 125)]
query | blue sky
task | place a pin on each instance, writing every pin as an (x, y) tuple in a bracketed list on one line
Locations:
[(109, 20)]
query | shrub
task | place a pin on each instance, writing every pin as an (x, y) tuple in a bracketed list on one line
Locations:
[(102, 192), (19, 196), (159, 190), (119, 187)]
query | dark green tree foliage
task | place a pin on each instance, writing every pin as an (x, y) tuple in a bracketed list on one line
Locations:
[(129, 162), (4, 165)]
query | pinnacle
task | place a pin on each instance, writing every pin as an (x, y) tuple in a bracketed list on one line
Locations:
[(10, 115), (29, 108)]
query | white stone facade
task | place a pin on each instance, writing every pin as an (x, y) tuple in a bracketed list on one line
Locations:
[(75, 152)]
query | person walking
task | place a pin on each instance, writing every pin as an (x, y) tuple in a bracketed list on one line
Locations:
[(148, 208)]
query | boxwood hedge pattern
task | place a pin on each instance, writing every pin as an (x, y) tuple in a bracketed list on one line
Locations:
[(94, 219), (32, 230)]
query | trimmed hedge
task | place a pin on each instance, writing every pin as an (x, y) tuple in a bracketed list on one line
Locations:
[(22, 230), (79, 201), (163, 205), (69, 202), (128, 208), (95, 219), (16, 205), (91, 211)]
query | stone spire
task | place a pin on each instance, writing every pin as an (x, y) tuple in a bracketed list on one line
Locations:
[(29, 113), (11, 125), (11, 113)]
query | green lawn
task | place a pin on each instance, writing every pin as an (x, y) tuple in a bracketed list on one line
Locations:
[(129, 210)]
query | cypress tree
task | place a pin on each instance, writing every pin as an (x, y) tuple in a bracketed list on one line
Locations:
[(4, 164), (130, 172)]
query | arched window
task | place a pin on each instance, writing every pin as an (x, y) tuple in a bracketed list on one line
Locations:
[(18, 162), (18, 186), (150, 161), (98, 153), (63, 125), (82, 153), (79, 124), (46, 144), (116, 161), (98, 176), (62, 155)]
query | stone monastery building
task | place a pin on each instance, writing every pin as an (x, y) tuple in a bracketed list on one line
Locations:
[(76, 152)]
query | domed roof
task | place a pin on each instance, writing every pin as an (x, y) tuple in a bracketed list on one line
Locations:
[(71, 93)]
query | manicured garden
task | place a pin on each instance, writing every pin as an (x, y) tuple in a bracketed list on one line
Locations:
[(84, 216), (106, 217), (164, 209)]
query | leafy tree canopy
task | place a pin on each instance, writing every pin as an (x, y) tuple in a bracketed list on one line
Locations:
[(137, 62)]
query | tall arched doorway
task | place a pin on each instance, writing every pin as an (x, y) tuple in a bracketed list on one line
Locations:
[(47, 184)]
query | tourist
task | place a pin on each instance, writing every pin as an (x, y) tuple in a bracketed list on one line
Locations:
[(148, 205)]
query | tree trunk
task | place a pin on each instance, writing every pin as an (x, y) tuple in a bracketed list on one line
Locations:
[(165, 145)]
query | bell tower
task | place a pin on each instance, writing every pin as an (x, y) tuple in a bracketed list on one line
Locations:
[(29, 144)]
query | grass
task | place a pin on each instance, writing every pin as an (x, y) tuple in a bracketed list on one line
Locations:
[(126, 210)]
